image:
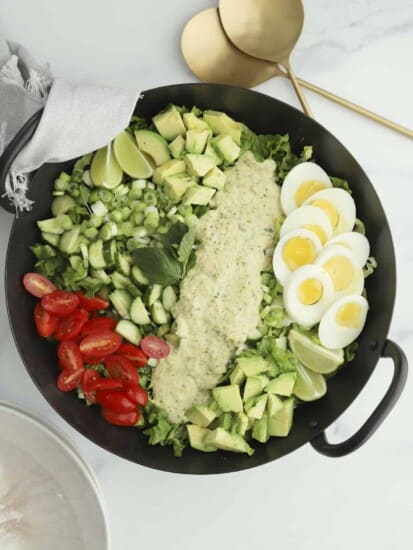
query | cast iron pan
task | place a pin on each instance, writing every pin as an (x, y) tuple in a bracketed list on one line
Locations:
[(264, 115)]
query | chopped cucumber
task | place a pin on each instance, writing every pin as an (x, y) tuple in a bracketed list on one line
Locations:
[(63, 204), (138, 312), (129, 331), (153, 294), (96, 258), (120, 281), (168, 298), (138, 276), (122, 301), (51, 238), (69, 241), (159, 315)]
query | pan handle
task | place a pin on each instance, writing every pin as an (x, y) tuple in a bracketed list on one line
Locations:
[(20, 140), (320, 442)]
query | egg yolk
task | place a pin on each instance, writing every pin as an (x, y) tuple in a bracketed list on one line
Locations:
[(319, 231), (329, 209), (298, 251), (310, 292), (306, 189), (349, 315), (341, 271)]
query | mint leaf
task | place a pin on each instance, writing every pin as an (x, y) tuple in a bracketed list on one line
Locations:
[(158, 265), (175, 234), (186, 246)]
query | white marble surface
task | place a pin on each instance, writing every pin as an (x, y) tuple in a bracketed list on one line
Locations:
[(362, 50)]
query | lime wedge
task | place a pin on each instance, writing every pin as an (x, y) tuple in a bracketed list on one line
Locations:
[(309, 385), (311, 355), (131, 160), (105, 170)]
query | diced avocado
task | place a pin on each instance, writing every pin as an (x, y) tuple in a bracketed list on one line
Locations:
[(198, 194), (51, 238), (254, 386), (237, 376), (215, 178), (201, 415), (199, 165), (177, 147), (221, 439), (225, 420), (260, 429), (176, 186), (69, 241), (227, 147), (196, 435), (274, 404), (228, 398), (283, 384), (253, 365), (240, 424), (192, 122), (196, 140), (153, 145), (213, 405), (169, 123), (255, 407), (279, 424), (138, 312), (210, 151), (221, 123), (170, 168)]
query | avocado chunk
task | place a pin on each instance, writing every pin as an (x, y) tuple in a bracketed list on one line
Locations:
[(169, 123), (192, 122), (170, 168), (240, 424), (226, 441), (221, 123), (177, 147), (237, 376), (210, 151), (254, 386), (227, 147), (253, 365), (196, 141), (255, 406), (153, 145), (176, 186), (196, 435), (260, 429), (279, 424), (228, 398), (215, 178), (274, 404), (199, 195), (225, 421), (199, 165), (283, 384), (201, 415)]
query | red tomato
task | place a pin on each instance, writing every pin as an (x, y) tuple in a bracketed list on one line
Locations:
[(106, 384), (69, 355), (93, 303), (68, 380), (94, 360), (100, 345), (70, 327), (122, 369), (115, 401), (45, 323), (98, 324), (154, 347), (60, 303), (125, 419), (134, 354), (88, 377), (136, 394), (37, 284)]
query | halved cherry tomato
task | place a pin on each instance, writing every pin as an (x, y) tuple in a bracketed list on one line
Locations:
[(69, 355), (154, 347), (94, 360), (136, 394), (134, 354), (106, 384), (115, 401), (100, 345), (93, 303), (60, 303), (68, 380), (122, 369), (45, 323), (98, 324), (70, 327), (88, 377), (37, 284), (121, 419)]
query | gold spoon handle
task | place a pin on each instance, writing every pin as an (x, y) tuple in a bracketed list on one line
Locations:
[(357, 108), (295, 82)]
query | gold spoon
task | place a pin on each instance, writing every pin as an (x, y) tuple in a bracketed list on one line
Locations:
[(213, 58), (266, 29)]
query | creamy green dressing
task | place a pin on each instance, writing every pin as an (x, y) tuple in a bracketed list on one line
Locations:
[(220, 297)]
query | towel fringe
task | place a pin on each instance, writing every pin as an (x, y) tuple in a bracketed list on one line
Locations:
[(10, 72), (16, 187)]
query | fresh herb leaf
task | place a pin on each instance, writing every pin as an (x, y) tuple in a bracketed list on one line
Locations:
[(359, 227), (370, 266), (162, 432), (342, 184), (43, 251), (175, 234), (158, 265), (186, 245), (51, 267), (350, 352)]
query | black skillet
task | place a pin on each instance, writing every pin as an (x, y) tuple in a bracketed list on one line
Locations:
[(264, 115)]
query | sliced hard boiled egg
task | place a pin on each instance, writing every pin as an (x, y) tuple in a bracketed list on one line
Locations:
[(295, 249), (343, 268), (308, 292), (343, 322), (311, 218), (300, 183), (339, 207), (356, 242)]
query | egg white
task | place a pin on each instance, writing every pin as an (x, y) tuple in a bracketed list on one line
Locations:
[(356, 242), (302, 173), (344, 204), (332, 251), (307, 216)]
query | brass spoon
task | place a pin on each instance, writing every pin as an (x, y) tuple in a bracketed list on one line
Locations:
[(213, 58), (266, 29)]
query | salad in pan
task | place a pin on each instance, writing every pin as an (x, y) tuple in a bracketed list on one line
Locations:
[(200, 281)]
